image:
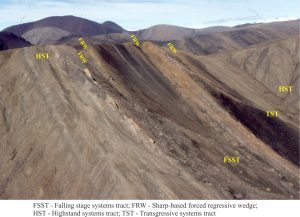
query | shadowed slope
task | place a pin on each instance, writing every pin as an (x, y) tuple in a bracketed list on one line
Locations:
[(11, 41)]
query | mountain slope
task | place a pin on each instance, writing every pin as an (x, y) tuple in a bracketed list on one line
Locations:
[(274, 64), (137, 123), (237, 38)]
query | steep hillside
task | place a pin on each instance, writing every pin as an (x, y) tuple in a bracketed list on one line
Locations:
[(139, 123)]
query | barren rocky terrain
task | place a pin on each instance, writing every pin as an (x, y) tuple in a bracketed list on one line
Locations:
[(144, 123)]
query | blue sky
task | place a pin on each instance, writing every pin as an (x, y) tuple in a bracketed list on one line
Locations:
[(135, 14)]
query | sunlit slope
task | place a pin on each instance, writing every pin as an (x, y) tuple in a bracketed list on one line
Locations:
[(275, 64), (63, 137)]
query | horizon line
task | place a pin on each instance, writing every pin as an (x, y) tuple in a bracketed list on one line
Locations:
[(262, 21)]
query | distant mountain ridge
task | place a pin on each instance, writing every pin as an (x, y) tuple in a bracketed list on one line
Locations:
[(54, 28), (72, 24), (67, 29)]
